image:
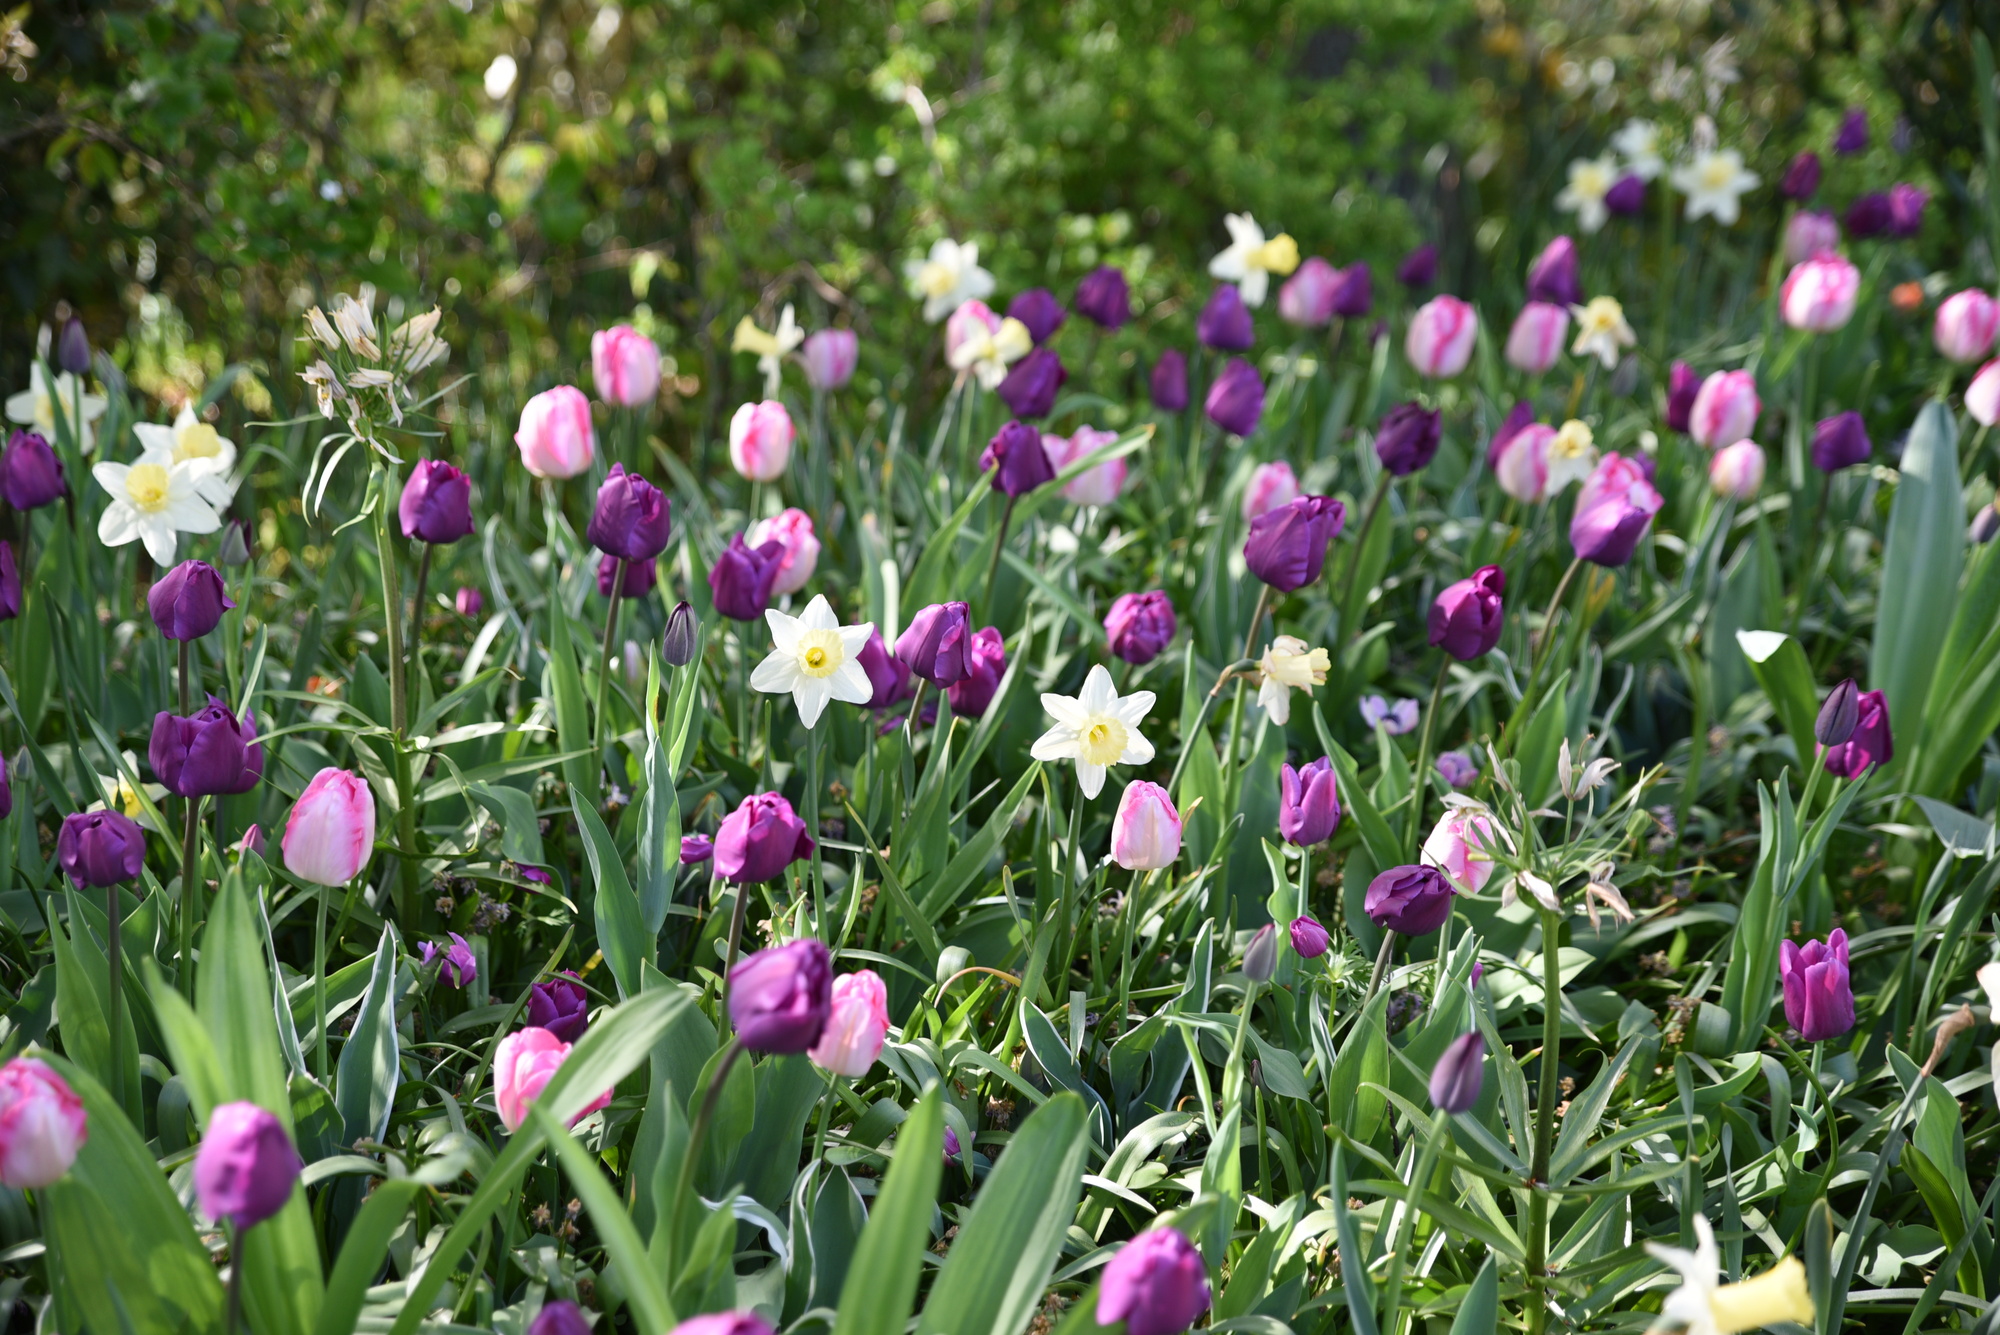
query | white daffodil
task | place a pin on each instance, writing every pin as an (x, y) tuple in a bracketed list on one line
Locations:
[(37, 406), (1638, 142), (1715, 182), (1601, 330), (195, 443), (989, 352), (1704, 1305), (814, 659), (1590, 180), (1569, 456), (948, 277), (1251, 260), (1289, 665), (1097, 729), (154, 503), (771, 348)]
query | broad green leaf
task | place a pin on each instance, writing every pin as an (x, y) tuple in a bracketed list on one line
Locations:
[(1540, 750), (1384, 848), (579, 766), (621, 930), (1780, 666), (1922, 556), (1479, 1310), (971, 859), (892, 1246), (365, 1082), (362, 1254), (614, 1227)]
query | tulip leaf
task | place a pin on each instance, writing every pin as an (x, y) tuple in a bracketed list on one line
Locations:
[(365, 1087), (580, 762), (621, 927), (636, 1275), (1479, 1309), (1384, 848), (362, 1252), (659, 841), (1964, 705), (971, 859), (1779, 664), (1540, 750), (513, 810), (1922, 557), (83, 1001), (932, 579), (892, 1245)]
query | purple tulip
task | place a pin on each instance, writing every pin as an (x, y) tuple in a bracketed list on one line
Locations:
[(1236, 399), (696, 849), (1459, 1074), (1610, 519), (469, 601), (246, 1167), (1224, 324), (1683, 385), (779, 998), (1839, 716), (1819, 1001), (457, 965), (1852, 136), (1038, 309), (1840, 442), (741, 579), (952, 1149), (30, 474), (1419, 267), (1309, 939), (1354, 293), (1260, 957), (560, 1005), (759, 839), (1169, 382), (1140, 625), (633, 517), (10, 584), (985, 664), (7, 790), (1031, 384), (1466, 618), (1869, 744), (1017, 460), (1156, 1285), (560, 1317), (73, 348), (1287, 546), (1552, 277), (716, 1323), (1869, 216), (933, 645), (1906, 209), (1102, 297), (1410, 901), (681, 641), (436, 505), (640, 576), (207, 754), (100, 848), (1626, 197), (1308, 803), (1801, 179), (1407, 438), (1457, 769), (188, 601), (887, 674), (1984, 528)]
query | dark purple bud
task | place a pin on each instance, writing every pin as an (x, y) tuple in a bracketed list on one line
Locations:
[(1308, 803), (246, 1167), (759, 839), (1683, 385), (933, 645), (437, 503), (1552, 277), (188, 601), (1607, 531), (779, 998), (7, 790), (985, 664), (1017, 460), (73, 348), (1287, 546), (1038, 309), (640, 576), (1840, 442), (632, 519), (208, 754), (1801, 179), (1457, 1078), (561, 1317), (1869, 744), (741, 579), (469, 601), (696, 848), (1236, 399), (100, 848), (1156, 1285), (1103, 297), (1140, 625), (1169, 382), (1627, 196), (1260, 957), (683, 638), (1407, 438), (235, 549), (1869, 216), (888, 675), (1906, 209), (1309, 939), (30, 474), (10, 584), (1354, 292), (1819, 998), (1225, 321), (1985, 526), (1410, 901), (1419, 268), (457, 965), (1031, 384), (1852, 136), (1840, 715), (560, 1006), (1467, 617)]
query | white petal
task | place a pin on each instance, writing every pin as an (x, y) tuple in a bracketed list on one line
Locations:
[(111, 477), (853, 639), (1089, 777), (1131, 709), (851, 684), (1099, 695), (21, 407), (784, 630), (190, 514), (152, 436), (1256, 282), (1276, 699), (776, 675), (819, 615), (1137, 750), (1058, 743), (118, 525), (1228, 266), (160, 541), (1065, 709), (810, 695)]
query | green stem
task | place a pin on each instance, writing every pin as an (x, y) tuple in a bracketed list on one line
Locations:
[(399, 696), (187, 678), (1545, 1123), (1256, 620), (417, 609), (1392, 1284), (820, 924), (736, 915), (696, 1137), (1420, 786), (115, 952), (1347, 607), (233, 1318), (1232, 1074), (1383, 957), (190, 893), (604, 660), (319, 980), (1201, 719)]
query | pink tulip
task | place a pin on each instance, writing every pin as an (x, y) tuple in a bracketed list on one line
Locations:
[(1523, 465), (555, 436), (974, 319), (1809, 234), (855, 1027), (1966, 322), (1306, 299), (1737, 471), (760, 440), (1818, 295), (1146, 832), (42, 1124), (1271, 486), (626, 365), (1536, 340), (522, 1066), (1093, 486), (1615, 475), (793, 530), (830, 356), (1982, 396), (1725, 409), (331, 829), (1439, 342), (1457, 845)]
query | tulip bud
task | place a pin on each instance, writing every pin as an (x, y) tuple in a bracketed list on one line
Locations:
[(1354, 294), (1287, 546), (1552, 277), (1467, 617), (246, 1167), (1801, 179), (1308, 803), (632, 519), (1156, 1284), (1419, 267), (188, 601), (469, 601), (933, 645), (555, 436), (760, 440), (560, 1005), (1627, 196), (759, 839), (1906, 209), (1440, 337), (1535, 343), (1039, 311), (1725, 409), (626, 365), (985, 664), (1736, 472), (1809, 234), (640, 576), (1017, 460), (1457, 769), (1460, 845), (1272, 485), (1869, 744), (100, 848), (1819, 1002), (252, 841), (1840, 442), (10, 584), (1868, 216), (208, 753), (729, 1323), (779, 998), (1029, 388), (1224, 324), (1683, 387), (1965, 325), (1139, 626), (1102, 297), (741, 580), (1614, 508), (1306, 299), (331, 831), (523, 1064), (1169, 382), (1236, 400), (683, 638), (1407, 438), (1410, 901), (1839, 715), (30, 474), (1459, 1074), (559, 1317), (235, 547), (1982, 396), (1260, 957), (1309, 939), (1146, 831), (888, 676), (1097, 485), (1818, 295), (42, 1124), (1522, 468), (857, 1024), (696, 849), (830, 356), (436, 505), (1852, 136), (1985, 525), (73, 347), (6, 790)]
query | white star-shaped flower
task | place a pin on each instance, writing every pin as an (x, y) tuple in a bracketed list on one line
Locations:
[(1704, 1305), (1251, 260), (1570, 455), (195, 443), (1638, 142), (1289, 665), (1097, 729), (948, 277), (1601, 330), (37, 406), (154, 503), (814, 659), (1715, 183), (1590, 180)]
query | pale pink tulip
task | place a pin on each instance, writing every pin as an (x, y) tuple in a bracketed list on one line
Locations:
[(1272, 485), (1523, 466), (1439, 342), (1966, 322), (626, 365), (1818, 295), (331, 830), (1982, 396), (1458, 847), (1146, 831), (1737, 471), (760, 440), (1536, 340), (1306, 299), (793, 530), (555, 438), (856, 1025), (1725, 409), (1093, 486), (42, 1124), (830, 356), (523, 1063), (1809, 234)]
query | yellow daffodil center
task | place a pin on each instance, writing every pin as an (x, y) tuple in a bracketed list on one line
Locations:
[(1779, 1294), (1279, 255), (196, 440), (936, 279), (820, 652), (1573, 441), (1717, 172), (1602, 316), (1593, 182), (128, 797), (146, 487), (1102, 740)]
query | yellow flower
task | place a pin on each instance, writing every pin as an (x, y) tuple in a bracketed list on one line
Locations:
[(1601, 330), (1289, 665), (1703, 1305), (1251, 260)]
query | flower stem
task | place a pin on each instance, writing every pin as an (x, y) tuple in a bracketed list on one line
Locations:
[(187, 678), (1375, 499), (1392, 1285), (1545, 1123), (696, 1137), (820, 922), (417, 609), (233, 1318), (190, 893), (1383, 958), (999, 545), (319, 981), (1256, 619), (736, 914), (604, 662), (1420, 783), (399, 696), (115, 958)]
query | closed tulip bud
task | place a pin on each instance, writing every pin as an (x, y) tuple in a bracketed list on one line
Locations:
[(830, 356), (1168, 383), (73, 347), (1982, 396), (729, 1323), (696, 849), (1309, 939), (252, 841), (1627, 196), (1236, 400), (436, 504), (331, 830), (523, 1064), (1608, 532), (632, 519), (235, 547), (246, 1167), (1457, 1078), (1819, 1001), (209, 753), (1523, 466), (30, 474), (1287, 546), (1306, 299), (741, 579), (683, 638), (1039, 311), (1308, 803), (933, 645), (188, 601), (1224, 323), (1419, 267), (779, 998), (560, 1317), (555, 436), (985, 664), (1869, 744), (1460, 845), (1407, 438), (1725, 409), (1809, 234), (1737, 471), (1272, 485), (1535, 343), (759, 839), (1840, 442), (626, 366), (857, 1024), (42, 1124), (888, 676), (1017, 460), (760, 440), (1839, 715), (1440, 337), (1552, 277), (1818, 295), (1156, 1284), (1410, 901), (1354, 294), (1030, 386), (1801, 179), (100, 848), (792, 530), (561, 1006), (6, 790), (1985, 526), (457, 965), (640, 576), (1683, 388), (1467, 617), (10, 584), (1457, 769), (1906, 209), (1965, 325), (1852, 136), (1146, 831), (1140, 625), (1103, 298), (1868, 216), (1260, 957)]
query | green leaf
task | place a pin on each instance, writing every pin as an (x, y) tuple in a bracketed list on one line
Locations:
[(82, 1001), (659, 845), (932, 578), (621, 929), (1479, 1310), (514, 812), (579, 766), (1541, 743), (614, 1227), (892, 1246), (362, 1254), (1360, 1069), (971, 859), (1780, 666), (365, 1083), (1384, 848), (1922, 557)]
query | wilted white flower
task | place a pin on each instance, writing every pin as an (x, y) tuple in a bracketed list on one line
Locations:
[(1289, 665), (1601, 330), (356, 323), (1542, 892), (1579, 781), (1600, 890)]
